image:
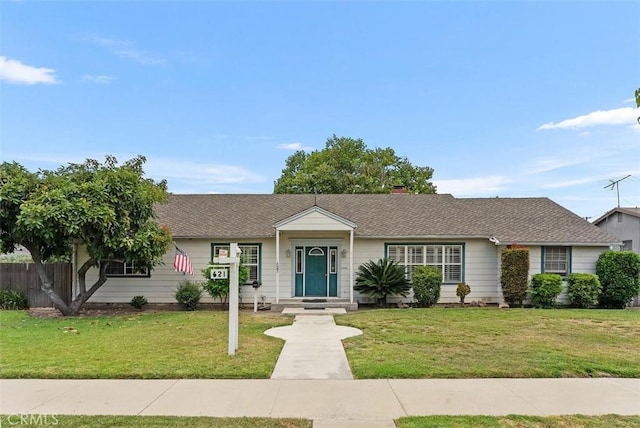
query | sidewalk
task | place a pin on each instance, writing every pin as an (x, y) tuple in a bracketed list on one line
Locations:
[(312, 380), (322, 399)]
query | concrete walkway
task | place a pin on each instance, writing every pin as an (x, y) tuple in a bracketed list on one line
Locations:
[(313, 349), (328, 395)]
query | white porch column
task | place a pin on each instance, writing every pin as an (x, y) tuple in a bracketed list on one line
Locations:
[(351, 266), (277, 265)]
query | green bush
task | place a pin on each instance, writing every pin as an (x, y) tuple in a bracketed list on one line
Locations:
[(462, 290), (13, 300), (188, 294), (545, 288), (583, 289), (219, 288), (619, 274), (138, 302), (427, 281), (381, 279), (514, 276)]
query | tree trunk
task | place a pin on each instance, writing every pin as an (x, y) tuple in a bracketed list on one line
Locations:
[(84, 295), (47, 286)]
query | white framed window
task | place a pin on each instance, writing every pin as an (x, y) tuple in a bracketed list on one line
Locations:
[(250, 257), (448, 258), (556, 260), (117, 268)]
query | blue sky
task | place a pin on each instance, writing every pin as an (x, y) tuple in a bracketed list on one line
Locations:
[(501, 98)]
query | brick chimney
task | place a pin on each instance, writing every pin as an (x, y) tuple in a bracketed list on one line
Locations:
[(399, 189)]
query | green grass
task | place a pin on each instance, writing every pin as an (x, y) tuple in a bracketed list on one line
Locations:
[(403, 343), (572, 421), (143, 346), (154, 422), (487, 342)]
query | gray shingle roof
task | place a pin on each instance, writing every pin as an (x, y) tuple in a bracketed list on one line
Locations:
[(523, 220)]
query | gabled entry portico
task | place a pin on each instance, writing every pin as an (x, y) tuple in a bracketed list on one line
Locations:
[(316, 246)]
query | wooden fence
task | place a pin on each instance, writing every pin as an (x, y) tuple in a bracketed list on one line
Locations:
[(23, 277)]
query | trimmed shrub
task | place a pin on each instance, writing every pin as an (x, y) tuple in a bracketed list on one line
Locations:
[(583, 289), (138, 302), (514, 275), (13, 300), (381, 279), (427, 281), (188, 294), (619, 274), (545, 288), (462, 290)]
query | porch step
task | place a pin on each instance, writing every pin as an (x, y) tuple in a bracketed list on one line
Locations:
[(314, 304)]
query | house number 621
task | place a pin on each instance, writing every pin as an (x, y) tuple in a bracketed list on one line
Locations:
[(219, 273)]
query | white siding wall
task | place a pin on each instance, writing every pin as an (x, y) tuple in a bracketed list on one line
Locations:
[(583, 260), (481, 268)]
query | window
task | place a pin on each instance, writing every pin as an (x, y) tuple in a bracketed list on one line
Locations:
[(250, 258), (315, 251), (556, 260), (299, 260), (333, 260), (627, 245), (116, 268), (447, 258)]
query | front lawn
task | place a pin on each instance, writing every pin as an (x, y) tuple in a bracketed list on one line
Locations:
[(573, 421), (397, 343), (69, 421), (139, 345), (487, 342)]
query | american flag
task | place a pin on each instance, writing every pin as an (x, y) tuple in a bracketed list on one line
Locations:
[(181, 262)]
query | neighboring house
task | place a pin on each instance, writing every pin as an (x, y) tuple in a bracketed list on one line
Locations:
[(624, 224), (310, 246)]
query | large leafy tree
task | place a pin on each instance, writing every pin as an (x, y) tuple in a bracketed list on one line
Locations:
[(106, 209), (347, 165)]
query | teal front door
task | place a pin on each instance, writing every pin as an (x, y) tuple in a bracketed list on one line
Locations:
[(316, 271)]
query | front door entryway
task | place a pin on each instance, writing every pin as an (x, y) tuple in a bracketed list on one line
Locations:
[(316, 271)]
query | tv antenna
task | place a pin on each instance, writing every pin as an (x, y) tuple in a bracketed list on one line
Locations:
[(616, 184)]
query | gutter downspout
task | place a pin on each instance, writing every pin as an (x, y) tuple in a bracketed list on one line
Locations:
[(277, 266), (351, 266), (499, 295)]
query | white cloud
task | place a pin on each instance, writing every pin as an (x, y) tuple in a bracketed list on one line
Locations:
[(199, 175), (570, 183), (13, 71), (549, 164), (127, 50), (294, 147), (104, 79), (477, 186), (619, 116)]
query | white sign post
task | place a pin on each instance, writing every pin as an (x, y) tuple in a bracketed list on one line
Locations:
[(234, 263)]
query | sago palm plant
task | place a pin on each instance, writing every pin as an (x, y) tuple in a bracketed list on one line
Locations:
[(381, 279)]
